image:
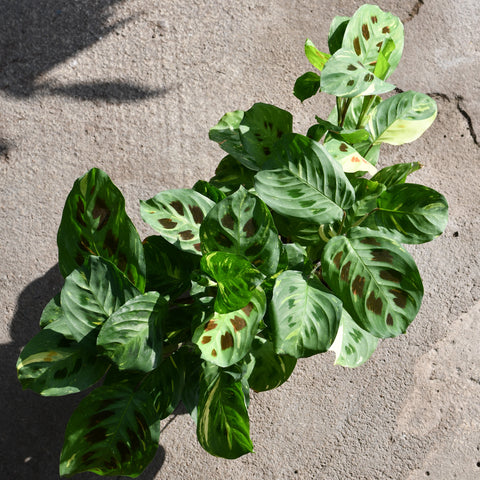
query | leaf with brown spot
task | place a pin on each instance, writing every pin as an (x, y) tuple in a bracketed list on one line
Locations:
[(232, 336), (383, 301), (104, 448), (177, 216), (94, 215)]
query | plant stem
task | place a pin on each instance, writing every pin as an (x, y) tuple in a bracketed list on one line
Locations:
[(322, 234), (346, 104), (367, 103), (343, 222), (358, 222)]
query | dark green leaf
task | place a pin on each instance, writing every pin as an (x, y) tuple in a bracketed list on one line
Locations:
[(306, 86), (242, 224), (298, 258), (92, 293), (376, 278), (51, 312), (51, 364), (94, 222), (177, 216), (271, 369), (236, 279), (114, 431), (353, 346), (223, 427), (366, 194), (304, 315), (225, 338), (396, 173), (230, 174), (335, 35), (305, 182), (411, 213), (132, 336), (208, 190), (168, 268)]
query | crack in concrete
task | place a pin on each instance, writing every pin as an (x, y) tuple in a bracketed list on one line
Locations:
[(414, 11)]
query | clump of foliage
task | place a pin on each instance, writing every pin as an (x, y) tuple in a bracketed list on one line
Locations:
[(288, 251)]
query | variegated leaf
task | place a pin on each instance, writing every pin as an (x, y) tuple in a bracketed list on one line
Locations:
[(317, 58), (177, 216), (395, 174), (225, 338), (376, 278), (350, 160), (353, 346)]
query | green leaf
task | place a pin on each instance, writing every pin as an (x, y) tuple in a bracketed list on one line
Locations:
[(315, 57), (52, 311), (249, 136), (236, 279), (92, 293), (298, 258), (366, 32), (223, 427), (396, 174), (271, 369), (366, 194), (132, 336), (261, 127), (306, 86), (208, 190), (230, 174), (336, 33), (353, 346), (177, 216), (114, 431), (350, 160), (51, 364), (382, 67), (298, 230), (345, 76), (411, 213), (168, 268), (225, 338), (94, 222), (376, 278), (191, 391), (165, 384), (305, 182), (242, 224), (402, 118), (304, 315)]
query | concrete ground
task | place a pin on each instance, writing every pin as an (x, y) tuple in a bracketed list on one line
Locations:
[(133, 87)]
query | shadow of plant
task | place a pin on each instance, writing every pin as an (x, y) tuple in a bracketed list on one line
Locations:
[(31, 426), (37, 35)]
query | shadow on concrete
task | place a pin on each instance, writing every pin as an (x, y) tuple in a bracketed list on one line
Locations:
[(31, 426), (37, 35)]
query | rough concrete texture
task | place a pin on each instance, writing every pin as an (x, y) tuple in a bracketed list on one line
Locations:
[(132, 87)]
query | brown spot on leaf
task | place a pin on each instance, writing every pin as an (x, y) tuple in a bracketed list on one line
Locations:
[(350, 83), (226, 341), (79, 259), (167, 223), (375, 305), (389, 320), (197, 213), (365, 31), (110, 244), (374, 19), (358, 285), (247, 309), (370, 241), (250, 227), (86, 457), (206, 339), (356, 46), (124, 451), (210, 325), (84, 245), (253, 250), (186, 235), (197, 247), (100, 417), (238, 323), (391, 275), (379, 46), (80, 212), (368, 77), (227, 221), (223, 240), (96, 435), (386, 29), (337, 258), (101, 210), (351, 67), (345, 271), (266, 150), (214, 353), (400, 297), (177, 205), (343, 147), (382, 255)]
